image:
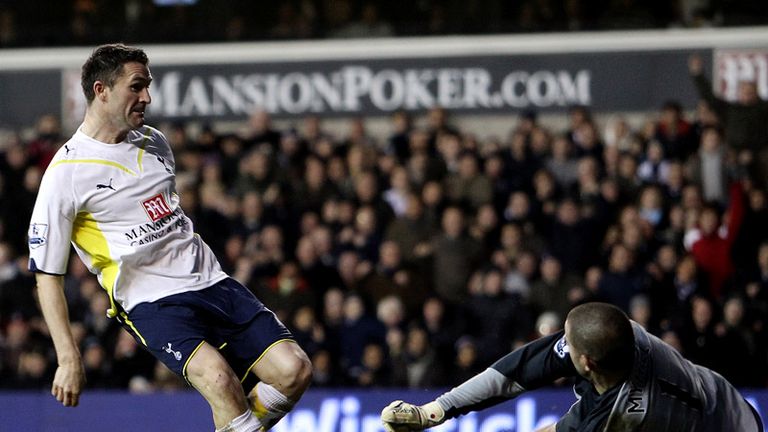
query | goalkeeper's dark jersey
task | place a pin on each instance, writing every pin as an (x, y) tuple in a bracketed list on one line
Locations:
[(664, 392)]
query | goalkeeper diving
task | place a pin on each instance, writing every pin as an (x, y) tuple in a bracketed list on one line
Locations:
[(626, 380)]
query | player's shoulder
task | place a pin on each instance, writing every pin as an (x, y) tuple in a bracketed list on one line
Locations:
[(71, 150), (62, 168), (151, 140), (147, 135), (152, 131)]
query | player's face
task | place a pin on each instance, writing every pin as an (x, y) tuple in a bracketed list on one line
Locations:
[(129, 96)]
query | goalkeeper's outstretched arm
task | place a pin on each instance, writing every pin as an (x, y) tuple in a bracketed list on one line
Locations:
[(529, 367)]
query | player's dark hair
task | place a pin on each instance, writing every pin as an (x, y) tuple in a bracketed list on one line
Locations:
[(603, 333), (106, 65)]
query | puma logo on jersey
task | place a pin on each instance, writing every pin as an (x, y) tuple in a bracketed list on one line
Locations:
[(105, 186), (67, 149)]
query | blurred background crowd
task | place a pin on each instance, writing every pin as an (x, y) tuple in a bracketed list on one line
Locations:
[(88, 22), (416, 258)]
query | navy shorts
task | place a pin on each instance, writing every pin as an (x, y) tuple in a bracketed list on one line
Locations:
[(226, 315)]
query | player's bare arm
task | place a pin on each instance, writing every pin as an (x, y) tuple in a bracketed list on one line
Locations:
[(69, 380)]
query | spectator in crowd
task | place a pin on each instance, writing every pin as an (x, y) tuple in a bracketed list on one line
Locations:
[(621, 283), (518, 278), (130, 361), (398, 142), (42, 148), (287, 291), (709, 167), (400, 187), (569, 232), (752, 234), (374, 370), (640, 311), (552, 291), (17, 295), (454, 257), (98, 370), (587, 187), (14, 169), (391, 277), (673, 132), (368, 193), (33, 371), (736, 342), (261, 132), (319, 276), (466, 363), (654, 168), (468, 186), (586, 140), (618, 134), (699, 339), (485, 228), (391, 312), (314, 187), (497, 319), (520, 163), (561, 164), (443, 325), (358, 330), (712, 248), (745, 121), (411, 231), (418, 366)]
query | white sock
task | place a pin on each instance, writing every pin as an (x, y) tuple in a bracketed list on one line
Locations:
[(245, 422), (270, 405)]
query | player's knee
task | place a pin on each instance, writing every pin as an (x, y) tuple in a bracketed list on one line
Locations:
[(296, 372), (305, 372)]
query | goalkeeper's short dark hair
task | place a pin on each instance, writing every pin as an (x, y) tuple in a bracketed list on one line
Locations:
[(603, 333)]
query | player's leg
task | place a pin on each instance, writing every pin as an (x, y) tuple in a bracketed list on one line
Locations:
[(208, 372), (284, 373), (174, 330), (259, 347)]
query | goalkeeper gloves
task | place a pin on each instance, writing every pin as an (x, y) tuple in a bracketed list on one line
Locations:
[(401, 416)]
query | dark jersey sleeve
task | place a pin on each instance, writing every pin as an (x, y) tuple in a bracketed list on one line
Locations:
[(538, 363)]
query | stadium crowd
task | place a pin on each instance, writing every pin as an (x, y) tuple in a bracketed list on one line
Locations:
[(92, 22), (417, 259)]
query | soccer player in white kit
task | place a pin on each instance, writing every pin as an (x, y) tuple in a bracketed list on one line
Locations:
[(110, 192)]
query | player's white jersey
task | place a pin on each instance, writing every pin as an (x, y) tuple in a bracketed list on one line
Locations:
[(117, 205)]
